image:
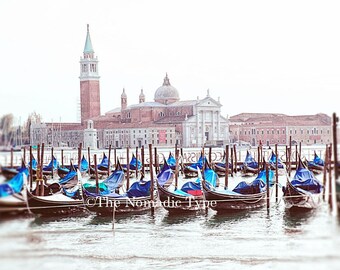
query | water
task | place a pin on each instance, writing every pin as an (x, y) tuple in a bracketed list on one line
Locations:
[(252, 239)]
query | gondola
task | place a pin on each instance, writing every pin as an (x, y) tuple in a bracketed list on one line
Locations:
[(84, 165), (12, 200), (191, 170), (221, 166), (9, 172), (102, 167), (133, 165), (244, 196), (303, 192), (171, 161), (189, 197), (110, 184), (249, 166), (54, 200), (316, 165), (138, 198), (280, 165)]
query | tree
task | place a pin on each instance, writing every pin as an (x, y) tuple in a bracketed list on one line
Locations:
[(6, 128), (33, 118)]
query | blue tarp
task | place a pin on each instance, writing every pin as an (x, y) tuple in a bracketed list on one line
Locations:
[(91, 188), (72, 193), (139, 189), (69, 176), (165, 175), (133, 163), (250, 161), (53, 162), (14, 185), (104, 163), (192, 188), (306, 180), (211, 177), (84, 165), (34, 164), (115, 180), (199, 163), (317, 161), (171, 161), (262, 176), (272, 161), (256, 186)]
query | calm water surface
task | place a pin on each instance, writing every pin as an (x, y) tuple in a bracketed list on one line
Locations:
[(253, 239)]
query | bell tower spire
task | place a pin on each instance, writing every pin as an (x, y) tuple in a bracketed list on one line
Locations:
[(89, 82)]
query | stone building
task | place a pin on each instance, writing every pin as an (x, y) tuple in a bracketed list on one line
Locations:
[(164, 122), (272, 129)]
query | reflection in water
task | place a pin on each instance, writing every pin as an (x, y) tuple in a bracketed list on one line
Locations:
[(46, 219), (171, 218), (219, 218), (122, 218), (294, 221)]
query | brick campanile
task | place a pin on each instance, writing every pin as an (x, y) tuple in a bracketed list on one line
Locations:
[(89, 82)]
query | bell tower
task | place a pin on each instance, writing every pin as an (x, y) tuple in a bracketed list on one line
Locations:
[(89, 82)]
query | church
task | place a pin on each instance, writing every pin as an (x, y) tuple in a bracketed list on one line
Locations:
[(163, 122)]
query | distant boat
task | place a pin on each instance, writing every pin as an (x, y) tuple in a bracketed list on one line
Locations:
[(221, 166), (11, 198), (244, 196), (192, 169), (137, 198), (304, 191), (249, 166), (187, 198), (316, 165)]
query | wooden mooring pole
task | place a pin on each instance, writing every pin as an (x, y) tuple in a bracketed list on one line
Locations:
[(127, 168), (267, 187), (143, 159), (325, 169), (152, 181), (226, 167), (276, 175), (109, 161), (96, 173)]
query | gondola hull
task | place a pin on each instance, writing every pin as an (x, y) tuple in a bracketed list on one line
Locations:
[(248, 171), (190, 172), (220, 170), (14, 204), (104, 205), (176, 203), (316, 169), (231, 202), (53, 204), (296, 200)]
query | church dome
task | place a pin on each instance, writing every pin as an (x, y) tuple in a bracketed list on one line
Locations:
[(166, 94)]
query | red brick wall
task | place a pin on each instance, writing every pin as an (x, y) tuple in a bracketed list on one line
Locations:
[(89, 100)]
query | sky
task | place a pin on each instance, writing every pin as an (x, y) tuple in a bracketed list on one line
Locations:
[(256, 56)]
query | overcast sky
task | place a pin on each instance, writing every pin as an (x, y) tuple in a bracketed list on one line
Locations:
[(257, 56)]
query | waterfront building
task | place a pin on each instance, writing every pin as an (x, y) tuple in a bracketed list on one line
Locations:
[(163, 122), (271, 128)]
